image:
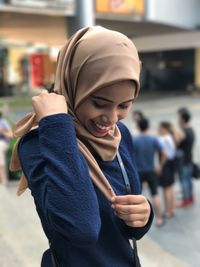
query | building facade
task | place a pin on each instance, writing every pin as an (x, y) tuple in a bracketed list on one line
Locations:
[(165, 33)]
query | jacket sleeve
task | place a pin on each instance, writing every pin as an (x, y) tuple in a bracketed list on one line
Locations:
[(59, 180)]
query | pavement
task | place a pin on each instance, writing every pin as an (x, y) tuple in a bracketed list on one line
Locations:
[(176, 244), (22, 241)]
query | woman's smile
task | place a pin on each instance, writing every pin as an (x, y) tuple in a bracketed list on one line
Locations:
[(99, 128)]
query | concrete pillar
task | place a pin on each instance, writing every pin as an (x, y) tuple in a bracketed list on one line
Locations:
[(84, 16), (84, 13)]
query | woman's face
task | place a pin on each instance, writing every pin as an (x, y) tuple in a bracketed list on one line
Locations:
[(105, 107), (162, 131)]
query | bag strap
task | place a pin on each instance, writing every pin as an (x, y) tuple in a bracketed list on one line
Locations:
[(124, 173), (128, 190)]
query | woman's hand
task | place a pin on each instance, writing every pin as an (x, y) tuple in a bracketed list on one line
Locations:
[(134, 210), (46, 104)]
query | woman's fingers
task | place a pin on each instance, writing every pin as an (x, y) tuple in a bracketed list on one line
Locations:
[(127, 209), (46, 104), (133, 209)]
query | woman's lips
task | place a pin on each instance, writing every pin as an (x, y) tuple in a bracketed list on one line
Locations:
[(101, 129)]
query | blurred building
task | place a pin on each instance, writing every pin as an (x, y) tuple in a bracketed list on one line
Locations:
[(31, 33), (165, 32)]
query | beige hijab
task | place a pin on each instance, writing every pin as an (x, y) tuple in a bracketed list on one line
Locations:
[(93, 58)]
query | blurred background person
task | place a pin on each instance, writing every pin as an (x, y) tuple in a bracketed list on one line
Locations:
[(5, 136), (137, 115), (146, 147), (168, 171), (186, 147)]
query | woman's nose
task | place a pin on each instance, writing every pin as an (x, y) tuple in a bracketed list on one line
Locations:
[(110, 117)]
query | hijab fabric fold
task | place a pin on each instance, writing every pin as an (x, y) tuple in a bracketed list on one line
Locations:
[(93, 58)]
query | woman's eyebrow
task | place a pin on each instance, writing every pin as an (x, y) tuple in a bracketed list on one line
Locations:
[(108, 100), (130, 100), (101, 98)]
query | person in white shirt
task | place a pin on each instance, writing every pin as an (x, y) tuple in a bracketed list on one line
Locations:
[(167, 174)]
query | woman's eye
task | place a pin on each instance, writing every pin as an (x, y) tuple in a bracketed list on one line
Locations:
[(98, 105), (123, 106), (126, 105)]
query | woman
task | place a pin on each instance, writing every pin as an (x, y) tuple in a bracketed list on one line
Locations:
[(168, 172), (70, 160)]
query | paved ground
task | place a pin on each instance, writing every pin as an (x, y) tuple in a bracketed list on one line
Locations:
[(176, 244), (21, 238), (179, 238)]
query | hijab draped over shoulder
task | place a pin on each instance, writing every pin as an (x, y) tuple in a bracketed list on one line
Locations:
[(93, 58)]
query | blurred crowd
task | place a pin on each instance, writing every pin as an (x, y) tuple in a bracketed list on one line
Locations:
[(163, 158)]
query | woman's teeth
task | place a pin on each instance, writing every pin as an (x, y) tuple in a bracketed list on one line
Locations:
[(102, 127)]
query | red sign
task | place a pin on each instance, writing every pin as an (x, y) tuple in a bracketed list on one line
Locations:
[(37, 70)]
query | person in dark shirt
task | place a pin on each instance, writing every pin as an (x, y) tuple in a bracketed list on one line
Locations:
[(146, 147), (186, 146), (70, 159)]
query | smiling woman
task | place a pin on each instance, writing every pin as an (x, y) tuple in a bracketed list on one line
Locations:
[(69, 151), (100, 112)]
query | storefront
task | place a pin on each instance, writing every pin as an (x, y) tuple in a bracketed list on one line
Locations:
[(25, 68), (28, 50), (172, 70)]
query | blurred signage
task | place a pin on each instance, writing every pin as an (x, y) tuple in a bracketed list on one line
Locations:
[(128, 7), (37, 73), (42, 69), (41, 3)]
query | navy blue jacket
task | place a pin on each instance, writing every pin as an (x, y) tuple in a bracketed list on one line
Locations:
[(77, 219)]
